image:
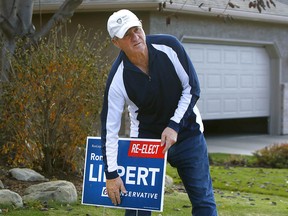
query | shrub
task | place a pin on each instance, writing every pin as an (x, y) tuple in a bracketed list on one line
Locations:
[(52, 100), (236, 160), (275, 156), (233, 160)]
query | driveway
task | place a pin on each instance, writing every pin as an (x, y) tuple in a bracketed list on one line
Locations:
[(242, 144)]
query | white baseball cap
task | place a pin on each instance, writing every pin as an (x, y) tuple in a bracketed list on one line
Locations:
[(119, 22)]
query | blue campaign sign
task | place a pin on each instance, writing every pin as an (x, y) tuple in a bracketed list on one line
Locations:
[(142, 167)]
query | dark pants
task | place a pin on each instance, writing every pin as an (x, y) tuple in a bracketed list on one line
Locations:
[(190, 157)]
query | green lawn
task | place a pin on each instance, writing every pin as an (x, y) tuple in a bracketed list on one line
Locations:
[(239, 191), (252, 180), (229, 204)]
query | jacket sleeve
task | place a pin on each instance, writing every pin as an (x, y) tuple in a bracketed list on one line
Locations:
[(190, 85), (111, 115)]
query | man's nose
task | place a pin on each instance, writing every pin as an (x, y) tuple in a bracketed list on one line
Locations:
[(134, 36)]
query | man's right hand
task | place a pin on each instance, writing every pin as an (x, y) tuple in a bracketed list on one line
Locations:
[(114, 187)]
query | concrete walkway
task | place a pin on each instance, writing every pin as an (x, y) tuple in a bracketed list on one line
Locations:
[(242, 144)]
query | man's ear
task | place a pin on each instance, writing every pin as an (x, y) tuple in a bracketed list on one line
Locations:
[(115, 42)]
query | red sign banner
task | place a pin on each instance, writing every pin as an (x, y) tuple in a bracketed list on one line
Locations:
[(145, 149)]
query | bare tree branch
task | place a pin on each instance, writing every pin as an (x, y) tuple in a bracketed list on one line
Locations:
[(64, 13), (24, 15), (7, 18), (16, 21)]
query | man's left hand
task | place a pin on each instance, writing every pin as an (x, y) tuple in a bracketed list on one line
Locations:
[(168, 138)]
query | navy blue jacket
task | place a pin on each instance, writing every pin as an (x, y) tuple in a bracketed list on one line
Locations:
[(166, 97)]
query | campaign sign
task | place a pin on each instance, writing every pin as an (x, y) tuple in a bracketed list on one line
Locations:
[(142, 167)]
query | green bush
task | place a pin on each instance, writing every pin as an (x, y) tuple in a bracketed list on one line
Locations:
[(231, 160), (236, 160), (52, 100), (274, 156)]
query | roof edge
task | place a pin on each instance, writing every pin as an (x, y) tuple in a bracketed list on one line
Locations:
[(190, 9), (103, 6), (175, 8)]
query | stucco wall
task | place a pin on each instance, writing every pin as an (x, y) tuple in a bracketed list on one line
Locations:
[(273, 36), (240, 32), (213, 27), (195, 26)]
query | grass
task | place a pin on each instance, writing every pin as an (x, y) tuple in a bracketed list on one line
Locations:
[(229, 204), (239, 191), (251, 180), (250, 204), (222, 158)]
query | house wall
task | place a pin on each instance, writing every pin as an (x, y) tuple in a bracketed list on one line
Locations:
[(92, 21), (239, 32), (268, 35), (213, 27)]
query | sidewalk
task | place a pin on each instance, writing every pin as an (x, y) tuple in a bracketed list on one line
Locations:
[(242, 144)]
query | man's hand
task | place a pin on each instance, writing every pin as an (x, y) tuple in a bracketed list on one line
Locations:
[(168, 138), (114, 187)]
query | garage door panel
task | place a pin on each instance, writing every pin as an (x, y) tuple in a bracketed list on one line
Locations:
[(201, 80), (234, 80), (260, 82), (213, 56), (198, 54), (246, 105), (213, 106), (246, 57), (230, 57), (261, 57), (230, 105), (214, 81), (230, 81), (246, 81)]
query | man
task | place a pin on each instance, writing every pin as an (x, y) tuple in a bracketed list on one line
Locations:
[(154, 76)]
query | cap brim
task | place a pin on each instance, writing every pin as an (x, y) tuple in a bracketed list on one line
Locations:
[(120, 34)]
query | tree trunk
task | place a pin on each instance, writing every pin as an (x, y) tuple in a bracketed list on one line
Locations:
[(16, 22), (48, 166)]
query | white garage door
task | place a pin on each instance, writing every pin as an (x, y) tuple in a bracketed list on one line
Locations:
[(234, 80)]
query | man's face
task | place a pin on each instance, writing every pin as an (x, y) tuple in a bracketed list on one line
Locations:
[(134, 41)]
